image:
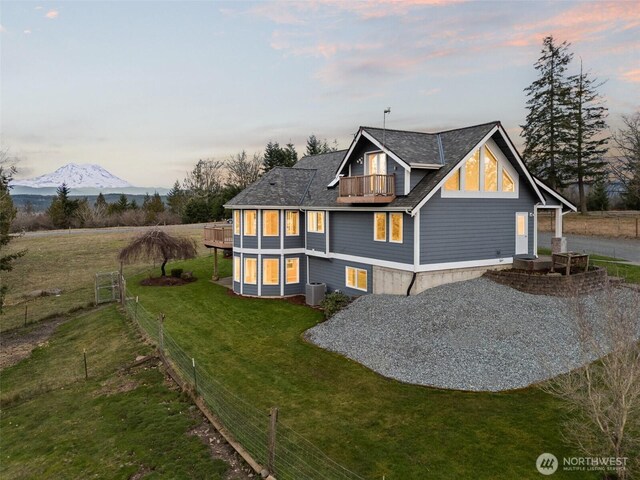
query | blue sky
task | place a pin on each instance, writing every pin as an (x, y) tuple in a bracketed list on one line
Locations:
[(147, 88)]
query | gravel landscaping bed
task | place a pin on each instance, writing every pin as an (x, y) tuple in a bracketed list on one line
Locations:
[(475, 335)]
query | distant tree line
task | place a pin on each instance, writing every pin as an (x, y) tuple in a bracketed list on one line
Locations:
[(566, 136)]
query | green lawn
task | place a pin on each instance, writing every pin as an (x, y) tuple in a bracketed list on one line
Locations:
[(370, 424), (56, 425)]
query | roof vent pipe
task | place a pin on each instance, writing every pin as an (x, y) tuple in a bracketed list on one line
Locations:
[(384, 123)]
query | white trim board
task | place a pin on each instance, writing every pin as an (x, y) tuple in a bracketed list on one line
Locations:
[(269, 251), (556, 195)]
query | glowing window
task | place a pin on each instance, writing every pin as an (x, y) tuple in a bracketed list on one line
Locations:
[(315, 222), (507, 182), (380, 227), (472, 173), (236, 269), (396, 227), (270, 271), (356, 278), (520, 225), (293, 270), (250, 223), (453, 182), (293, 222), (236, 222), (490, 171), (270, 223), (251, 271)]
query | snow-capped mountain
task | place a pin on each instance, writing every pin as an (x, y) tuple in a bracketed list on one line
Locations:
[(75, 176)]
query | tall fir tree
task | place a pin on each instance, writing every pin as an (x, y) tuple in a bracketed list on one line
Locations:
[(176, 199), (587, 144), (626, 165), (316, 146), (63, 209), (548, 124), (598, 198), (277, 156)]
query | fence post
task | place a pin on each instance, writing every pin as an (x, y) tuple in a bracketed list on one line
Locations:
[(26, 307), (86, 371), (273, 422), (195, 377), (135, 312)]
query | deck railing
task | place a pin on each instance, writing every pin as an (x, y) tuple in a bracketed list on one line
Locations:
[(362, 186), (219, 235)]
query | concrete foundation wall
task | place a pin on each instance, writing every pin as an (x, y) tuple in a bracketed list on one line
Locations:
[(396, 282)]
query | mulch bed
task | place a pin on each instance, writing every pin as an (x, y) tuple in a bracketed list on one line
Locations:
[(166, 281)]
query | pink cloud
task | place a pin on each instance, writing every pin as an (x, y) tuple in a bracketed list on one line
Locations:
[(383, 8), (52, 14), (632, 76)]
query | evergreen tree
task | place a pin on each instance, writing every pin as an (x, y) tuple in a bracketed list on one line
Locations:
[(587, 145), (101, 204), (62, 209), (626, 165), (598, 199), (152, 207), (277, 156), (7, 215), (176, 199), (316, 146), (547, 127)]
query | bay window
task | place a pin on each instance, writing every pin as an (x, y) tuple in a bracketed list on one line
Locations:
[(270, 223)]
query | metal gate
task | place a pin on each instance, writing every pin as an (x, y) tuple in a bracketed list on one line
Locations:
[(107, 287)]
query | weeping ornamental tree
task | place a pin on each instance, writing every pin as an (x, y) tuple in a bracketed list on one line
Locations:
[(158, 245), (547, 127)]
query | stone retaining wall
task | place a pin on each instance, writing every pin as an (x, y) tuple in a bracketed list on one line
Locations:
[(555, 285)]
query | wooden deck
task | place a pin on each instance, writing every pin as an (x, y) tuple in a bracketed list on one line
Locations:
[(218, 235)]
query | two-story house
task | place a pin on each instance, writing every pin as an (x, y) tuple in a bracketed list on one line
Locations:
[(397, 212)]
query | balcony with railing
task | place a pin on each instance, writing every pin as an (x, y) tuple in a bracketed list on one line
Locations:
[(218, 235), (377, 188)]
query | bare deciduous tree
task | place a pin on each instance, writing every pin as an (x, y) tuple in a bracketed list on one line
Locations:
[(158, 245), (627, 163), (603, 396), (206, 178), (243, 171)]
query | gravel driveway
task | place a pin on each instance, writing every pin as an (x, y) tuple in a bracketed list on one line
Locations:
[(475, 335)]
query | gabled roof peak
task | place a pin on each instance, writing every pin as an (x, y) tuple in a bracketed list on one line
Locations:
[(495, 122)]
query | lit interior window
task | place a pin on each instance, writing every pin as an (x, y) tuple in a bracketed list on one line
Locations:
[(270, 223), (236, 269), (396, 227), (251, 271), (250, 223), (270, 271), (356, 278), (316, 222), (380, 227), (472, 173), (490, 171), (293, 222), (236, 222), (507, 182), (453, 182), (293, 270), (521, 227)]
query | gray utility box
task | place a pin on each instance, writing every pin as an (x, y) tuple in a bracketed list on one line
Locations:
[(315, 293)]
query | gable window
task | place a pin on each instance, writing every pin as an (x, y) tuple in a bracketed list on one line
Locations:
[(396, 220), (236, 222), (270, 223), (270, 271), (293, 222), (236, 269), (453, 182), (490, 171), (508, 184), (315, 223), (356, 278), (293, 270), (472, 173), (250, 223), (251, 271), (380, 227), (376, 163)]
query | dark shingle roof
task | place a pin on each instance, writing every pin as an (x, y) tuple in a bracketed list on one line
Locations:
[(306, 183)]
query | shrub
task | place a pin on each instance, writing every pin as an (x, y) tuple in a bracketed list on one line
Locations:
[(334, 302), (176, 272)]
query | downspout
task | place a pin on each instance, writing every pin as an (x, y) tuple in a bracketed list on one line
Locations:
[(413, 279)]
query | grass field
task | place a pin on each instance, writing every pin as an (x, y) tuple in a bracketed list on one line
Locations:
[(55, 424), (371, 424), (606, 224)]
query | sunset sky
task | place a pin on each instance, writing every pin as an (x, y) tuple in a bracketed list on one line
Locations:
[(147, 88)]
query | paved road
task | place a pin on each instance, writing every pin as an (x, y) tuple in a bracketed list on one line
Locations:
[(627, 249)]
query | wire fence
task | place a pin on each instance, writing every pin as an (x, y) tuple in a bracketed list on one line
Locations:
[(282, 451)]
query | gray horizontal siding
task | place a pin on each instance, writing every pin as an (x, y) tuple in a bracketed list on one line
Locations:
[(332, 272), (351, 233), (416, 176), (463, 229), (365, 146), (297, 288)]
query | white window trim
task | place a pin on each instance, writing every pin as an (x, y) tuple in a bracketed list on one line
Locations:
[(365, 162), (391, 240), (244, 223), (244, 277), (264, 214), (286, 277), (237, 226), (264, 269), (315, 223), (237, 272), (503, 163), (346, 278), (285, 223), (375, 227)]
